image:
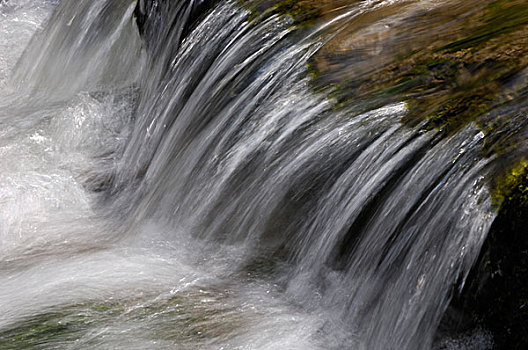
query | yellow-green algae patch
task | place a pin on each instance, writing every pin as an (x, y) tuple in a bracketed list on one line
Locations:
[(512, 182)]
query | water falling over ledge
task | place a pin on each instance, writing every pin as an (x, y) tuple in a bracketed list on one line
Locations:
[(187, 187)]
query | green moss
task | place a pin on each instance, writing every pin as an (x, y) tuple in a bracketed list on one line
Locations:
[(191, 317), (303, 12), (183, 318), (408, 83), (312, 70), (63, 325), (260, 267), (500, 17), (462, 108), (512, 182)]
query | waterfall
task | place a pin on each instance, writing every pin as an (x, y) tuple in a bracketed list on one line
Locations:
[(189, 189)]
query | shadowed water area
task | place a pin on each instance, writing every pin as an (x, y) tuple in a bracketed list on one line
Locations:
[(262, 174)]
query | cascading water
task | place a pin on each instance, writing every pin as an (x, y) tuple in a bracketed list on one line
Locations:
[(193, 192)]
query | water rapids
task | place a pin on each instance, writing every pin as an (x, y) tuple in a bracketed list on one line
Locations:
[(187, 189)]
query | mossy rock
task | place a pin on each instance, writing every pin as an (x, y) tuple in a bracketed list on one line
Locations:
[(496, 292), (185, 319), (451, 80), (503, 304), (57, 327)]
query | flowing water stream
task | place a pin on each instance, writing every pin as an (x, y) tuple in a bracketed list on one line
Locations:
[(192, 191)]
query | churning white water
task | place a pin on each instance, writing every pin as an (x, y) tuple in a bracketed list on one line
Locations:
[(65, 266), (191, 192)]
